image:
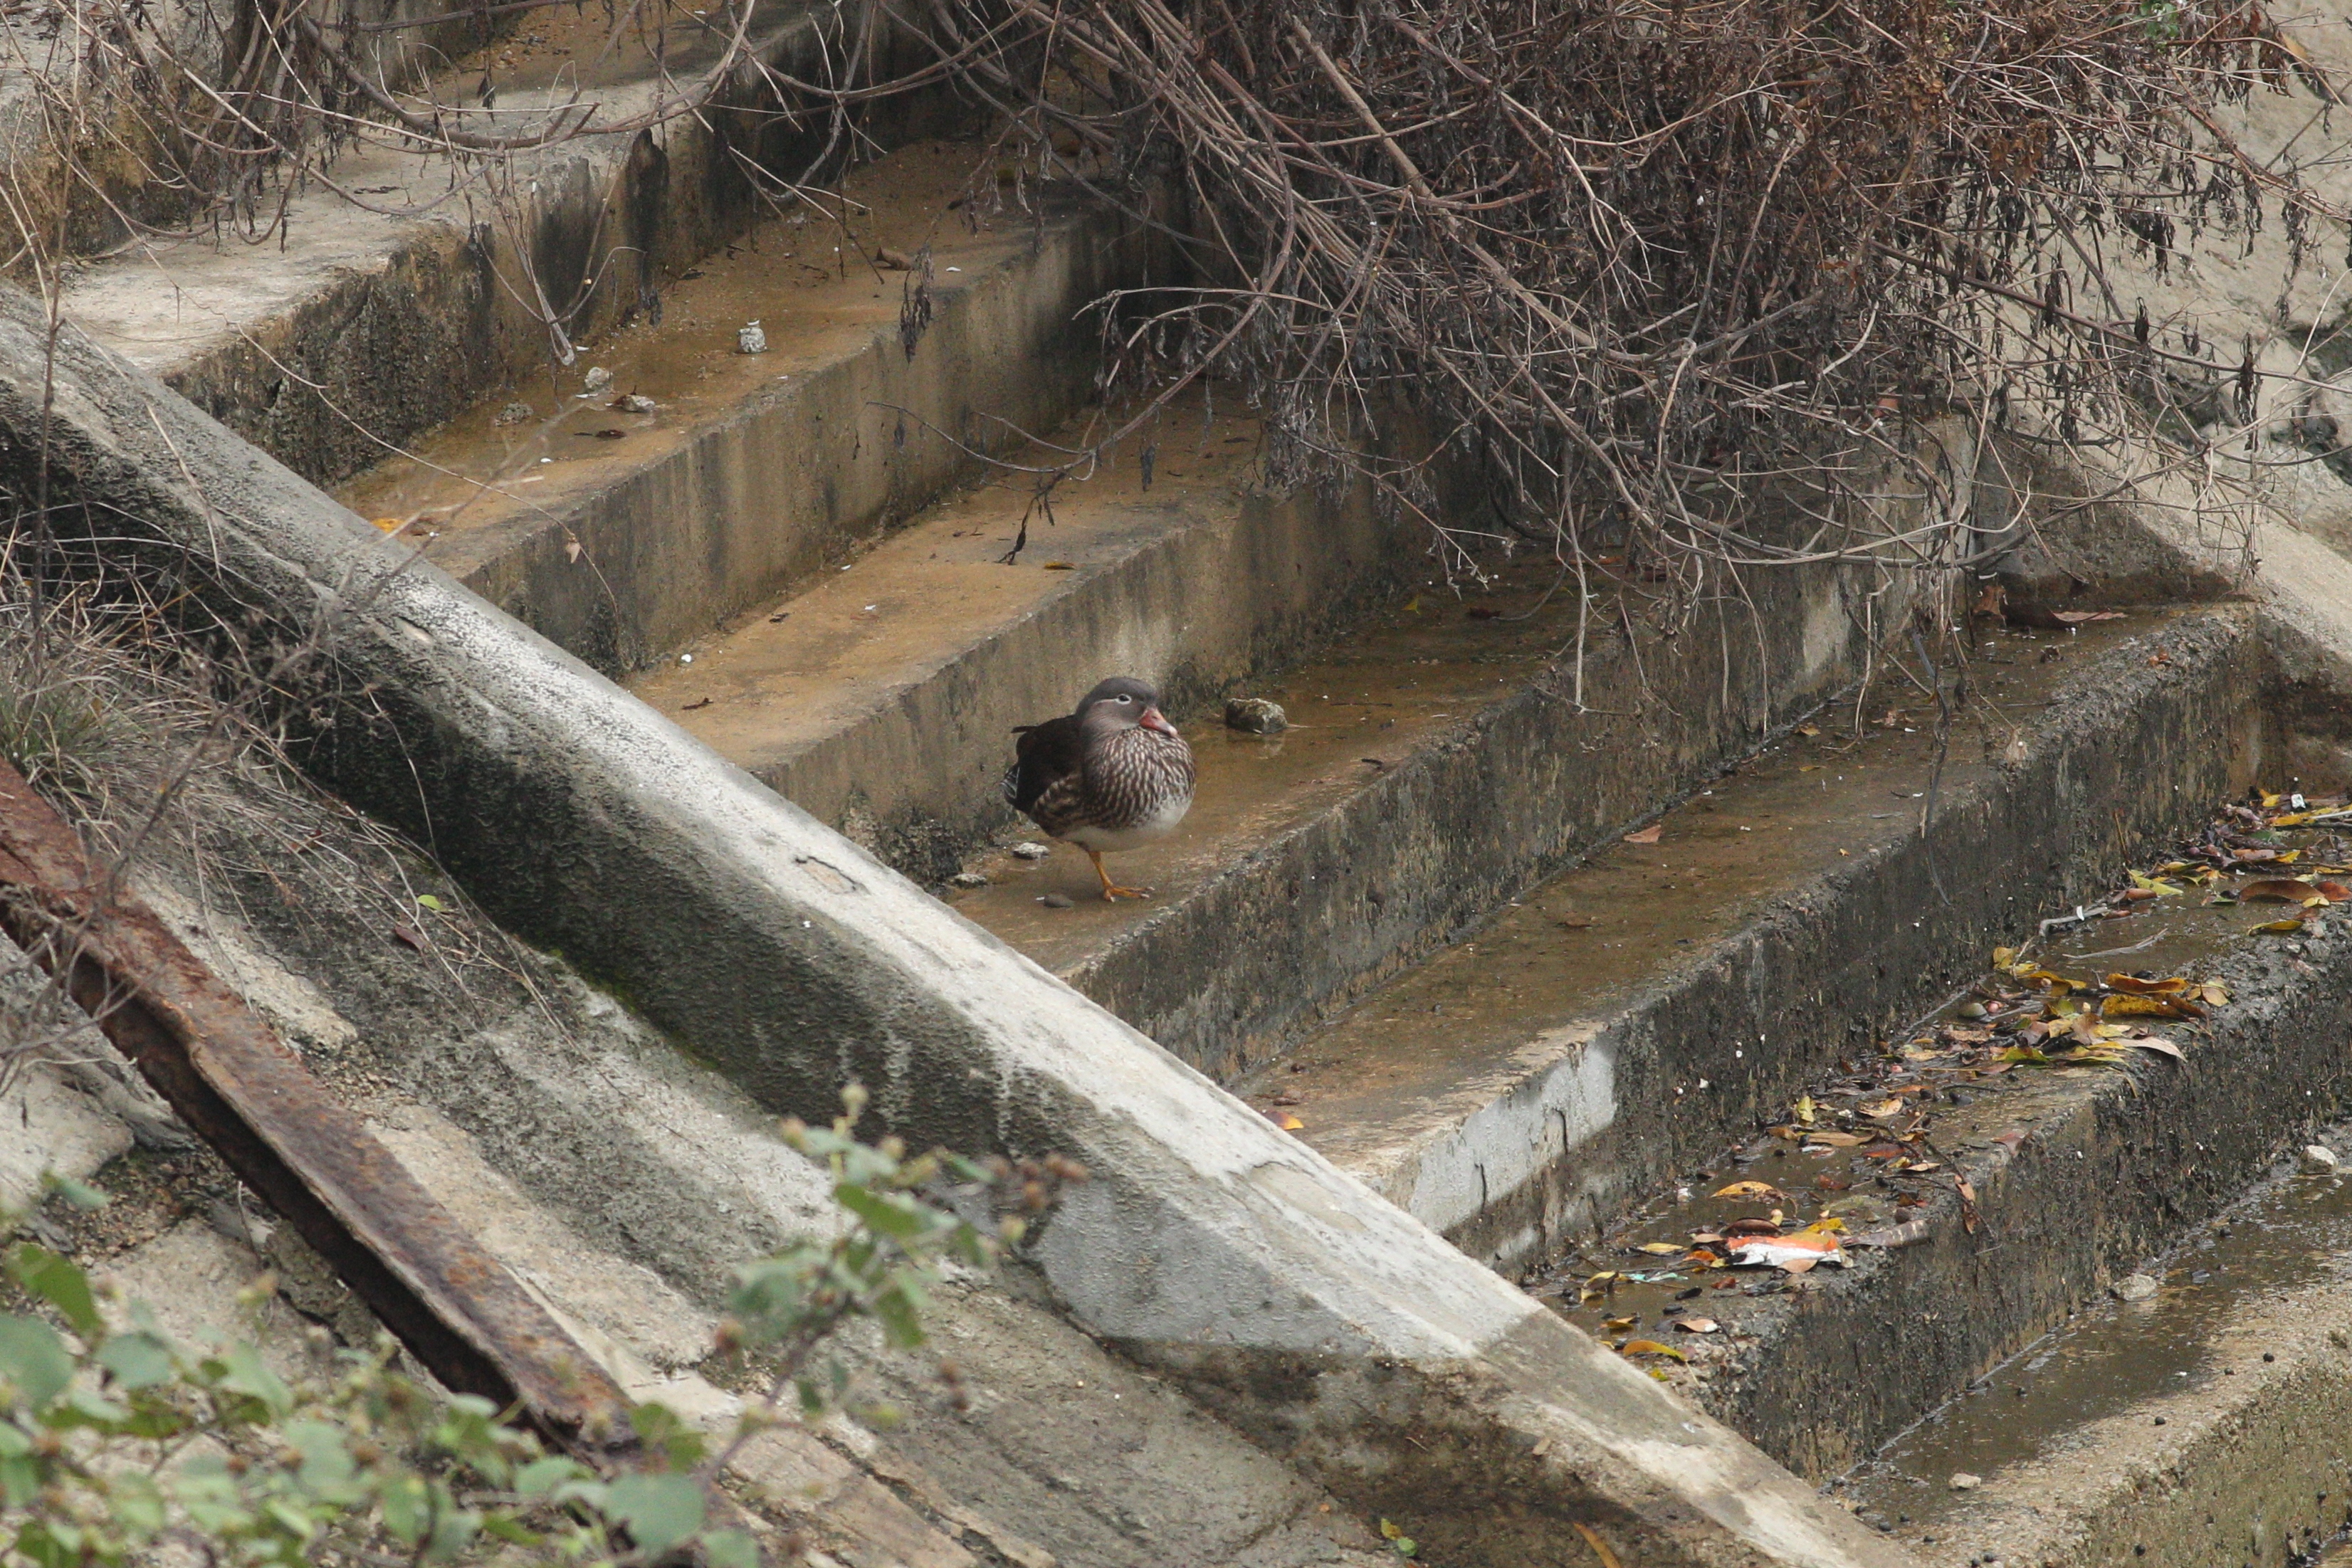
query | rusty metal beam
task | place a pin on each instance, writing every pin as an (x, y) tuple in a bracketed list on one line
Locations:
[(246, 1093)]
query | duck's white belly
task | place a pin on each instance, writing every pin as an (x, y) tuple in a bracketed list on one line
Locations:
[(1158, 825)]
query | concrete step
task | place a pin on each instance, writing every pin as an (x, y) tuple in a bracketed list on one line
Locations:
[(2201, 1424), (1437, 759), (622, 535), (405, 287), (2075, 1174), (1646, 1008)]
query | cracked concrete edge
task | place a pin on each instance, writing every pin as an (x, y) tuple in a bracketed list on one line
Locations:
[(756, 937)]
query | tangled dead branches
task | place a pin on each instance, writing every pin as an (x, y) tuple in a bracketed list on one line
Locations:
[(1644, 262)]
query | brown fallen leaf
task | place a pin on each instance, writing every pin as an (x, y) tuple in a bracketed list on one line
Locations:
[(1884, 1108), (1575, 922), (1809, 731), (2280, 889), (1969, 1219), (896, 260), (2132, 1006), (1697, 1325), (1988, 602), (691, 708), (409, 936), (2170, 988), (1837, 1140), (2158, 1044), (1659, 1249), (1648, 835)]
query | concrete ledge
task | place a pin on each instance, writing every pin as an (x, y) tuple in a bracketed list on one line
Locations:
[(760, 938), (362, 329), (750, 502), (1550, 1128)]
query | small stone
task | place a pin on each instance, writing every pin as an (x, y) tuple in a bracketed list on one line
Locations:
[(2135, 1288), (635, 402), (515, 413), (1963, 1481), (1056, 901), (750, 339), (2319, 1159), (1255, 715), (1970, 1010), (597, 380), (966, 878), (1031, 852)]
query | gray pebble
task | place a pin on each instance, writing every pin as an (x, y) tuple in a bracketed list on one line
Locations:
[(966, 878), (515, 413), (1031, 852), (2319, 1159), (2136, 1288), (1056, 901)]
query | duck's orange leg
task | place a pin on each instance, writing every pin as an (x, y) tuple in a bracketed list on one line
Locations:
[(1112, 892)]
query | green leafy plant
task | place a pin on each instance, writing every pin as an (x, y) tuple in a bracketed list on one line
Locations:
[(117, 1439)]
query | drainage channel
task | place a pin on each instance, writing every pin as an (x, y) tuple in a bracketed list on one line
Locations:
[(1961, 1190)]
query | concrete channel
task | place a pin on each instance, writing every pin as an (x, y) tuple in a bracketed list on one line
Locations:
[(1509, 1034)]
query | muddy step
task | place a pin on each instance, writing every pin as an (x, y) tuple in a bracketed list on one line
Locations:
[(2199, 1422), (393, 300), (2030, 1188), (1439, 757), (1644, 1009), (883, 697), (671, 481)]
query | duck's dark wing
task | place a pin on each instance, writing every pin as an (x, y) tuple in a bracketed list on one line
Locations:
[(1046, 755)]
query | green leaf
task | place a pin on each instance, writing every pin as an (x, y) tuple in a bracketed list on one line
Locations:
[(899, 1218), (60, 1283), (661, 1511), (730, 1549), (34, 1358), (245, 1374), (79, 1194), (429, 902), (137, 1360), (543, 1476)]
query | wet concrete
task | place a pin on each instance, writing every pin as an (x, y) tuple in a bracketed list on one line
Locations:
[(2078, 1172), (703, 481)]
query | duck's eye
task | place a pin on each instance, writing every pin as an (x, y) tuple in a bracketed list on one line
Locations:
[(1125, 699)]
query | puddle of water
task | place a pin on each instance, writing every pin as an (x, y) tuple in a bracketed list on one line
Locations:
[(2293, 1233), (801, 276)]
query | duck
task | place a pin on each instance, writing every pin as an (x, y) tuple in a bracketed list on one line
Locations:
[(1113, 774)]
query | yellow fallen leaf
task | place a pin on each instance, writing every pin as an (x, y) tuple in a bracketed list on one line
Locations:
[(1291, 1124), (390, 524), (1809, 731), (1619, 1325), (1805, 1110), (1389, 1531), (2004, 957), (1660, 1249), (2280, 927), (1652, 1347), (2131, 1007), (1745, 1189)]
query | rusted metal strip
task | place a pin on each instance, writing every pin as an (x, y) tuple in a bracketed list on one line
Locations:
[(246, 1093)]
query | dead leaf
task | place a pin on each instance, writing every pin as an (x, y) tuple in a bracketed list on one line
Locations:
[(897, 261), (1060, 566), (2081, 617), (1648, 835), (2132, 1006), (2158, 1044), (1659, 1249), (1809, 731), (1967, 1202), (1289, 1123), (1988, 602), (2280, 889), (1575, 922), (1805, 1109), (2280, 927), (1837, 1140), (409, 936), (2171, 987), (390, 524), (1883, 1109), (1747, 1189), (1696, 1325), (691, 708), (1651, 1348), (1620, 1325)]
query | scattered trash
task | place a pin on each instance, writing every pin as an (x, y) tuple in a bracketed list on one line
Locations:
[(1255, 715), (1055, 900), (750, 339), (2319, 1159), (966, 878), (2136, 1288), (1031, 852), (515, 413), (633, 403), (1790, 1254), (597, 380)]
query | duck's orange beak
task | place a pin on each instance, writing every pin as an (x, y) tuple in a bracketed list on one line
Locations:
[(1154, 719)]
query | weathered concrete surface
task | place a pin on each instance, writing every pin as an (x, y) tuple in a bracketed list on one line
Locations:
[(756, 472), (1329, 1323), (2076, 1180), (361, 330), (2222, 1440), (884, 703), (1484, 785), (1563, 1095)]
